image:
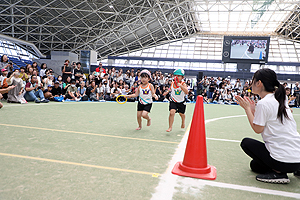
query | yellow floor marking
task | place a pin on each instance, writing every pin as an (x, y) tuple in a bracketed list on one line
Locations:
[(97, 134), (80, 164)]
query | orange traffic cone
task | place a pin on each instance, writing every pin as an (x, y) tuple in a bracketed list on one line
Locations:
[(195, 159)]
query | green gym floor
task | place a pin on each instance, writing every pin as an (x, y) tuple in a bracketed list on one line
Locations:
[(89, 150)]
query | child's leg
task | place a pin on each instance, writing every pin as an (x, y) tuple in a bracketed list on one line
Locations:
[(1, 105), (146, 116), (182, 120), (171, 119), (139, 119)]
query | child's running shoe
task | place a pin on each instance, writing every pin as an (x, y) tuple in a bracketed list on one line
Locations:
[(273, 177)]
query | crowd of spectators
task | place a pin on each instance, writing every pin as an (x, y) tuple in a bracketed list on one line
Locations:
[(223, 91), (105, 84)]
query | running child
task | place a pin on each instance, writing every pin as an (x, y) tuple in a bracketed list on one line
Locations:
[(272, 118), (177, 102), (145, 92)]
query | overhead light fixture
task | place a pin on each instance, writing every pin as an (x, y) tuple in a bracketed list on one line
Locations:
[(111, 6), (288, 79)]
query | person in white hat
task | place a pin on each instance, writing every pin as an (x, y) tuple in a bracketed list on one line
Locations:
[(145, 92)]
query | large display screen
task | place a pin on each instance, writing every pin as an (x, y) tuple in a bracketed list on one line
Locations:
[(246, 49)]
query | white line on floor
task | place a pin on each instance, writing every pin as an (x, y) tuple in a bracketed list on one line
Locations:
[(168, 182)]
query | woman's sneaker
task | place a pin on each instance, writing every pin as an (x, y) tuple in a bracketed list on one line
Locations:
[(273, 177), (297, 173)]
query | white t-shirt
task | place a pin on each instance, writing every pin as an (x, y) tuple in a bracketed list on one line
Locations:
[(100, 90), (281, 140)]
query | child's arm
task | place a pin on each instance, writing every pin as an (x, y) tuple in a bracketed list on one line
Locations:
[(183, 87), (153, 92), (133, 95), (249, 107)]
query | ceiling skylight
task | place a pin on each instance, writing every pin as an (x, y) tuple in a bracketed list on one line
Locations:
[(241, 16)]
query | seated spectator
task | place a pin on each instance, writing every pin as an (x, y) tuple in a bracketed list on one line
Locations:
[(15, 95), (291, 98), (3, 76), (78, 82), (115, 92), (48, 93), (166, 93), (119, 75), (23, 74), (35, 65), (43, 69), (57, 92), (34, 91), (127, 77), (29, 72), (6, 90), (131, 78), (92, 91), (106, 90), (100, 92), (228, 98), (158, 92), (190, 95), (4, 62), (3, 81), (27, 67), (72, 91), (82, 92), (138, 78), (125, 90), (49, 80), (216, 97), (204, 95), (36, 73), (66, 85), (60, 81)]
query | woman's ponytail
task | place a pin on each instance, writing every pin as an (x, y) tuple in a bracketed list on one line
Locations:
[(280, 95), (269, 78)]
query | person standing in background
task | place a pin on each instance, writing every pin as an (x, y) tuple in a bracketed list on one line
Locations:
[(297, 93), (66, 70)]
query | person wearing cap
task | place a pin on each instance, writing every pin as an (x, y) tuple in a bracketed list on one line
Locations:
[(178, 91), (48, 92), (56, 90), (3, 76), (145, 92)]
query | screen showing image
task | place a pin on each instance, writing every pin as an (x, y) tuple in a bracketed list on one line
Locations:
[(248, 49)]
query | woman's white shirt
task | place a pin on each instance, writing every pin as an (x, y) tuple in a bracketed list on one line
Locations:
[(281, 139)]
